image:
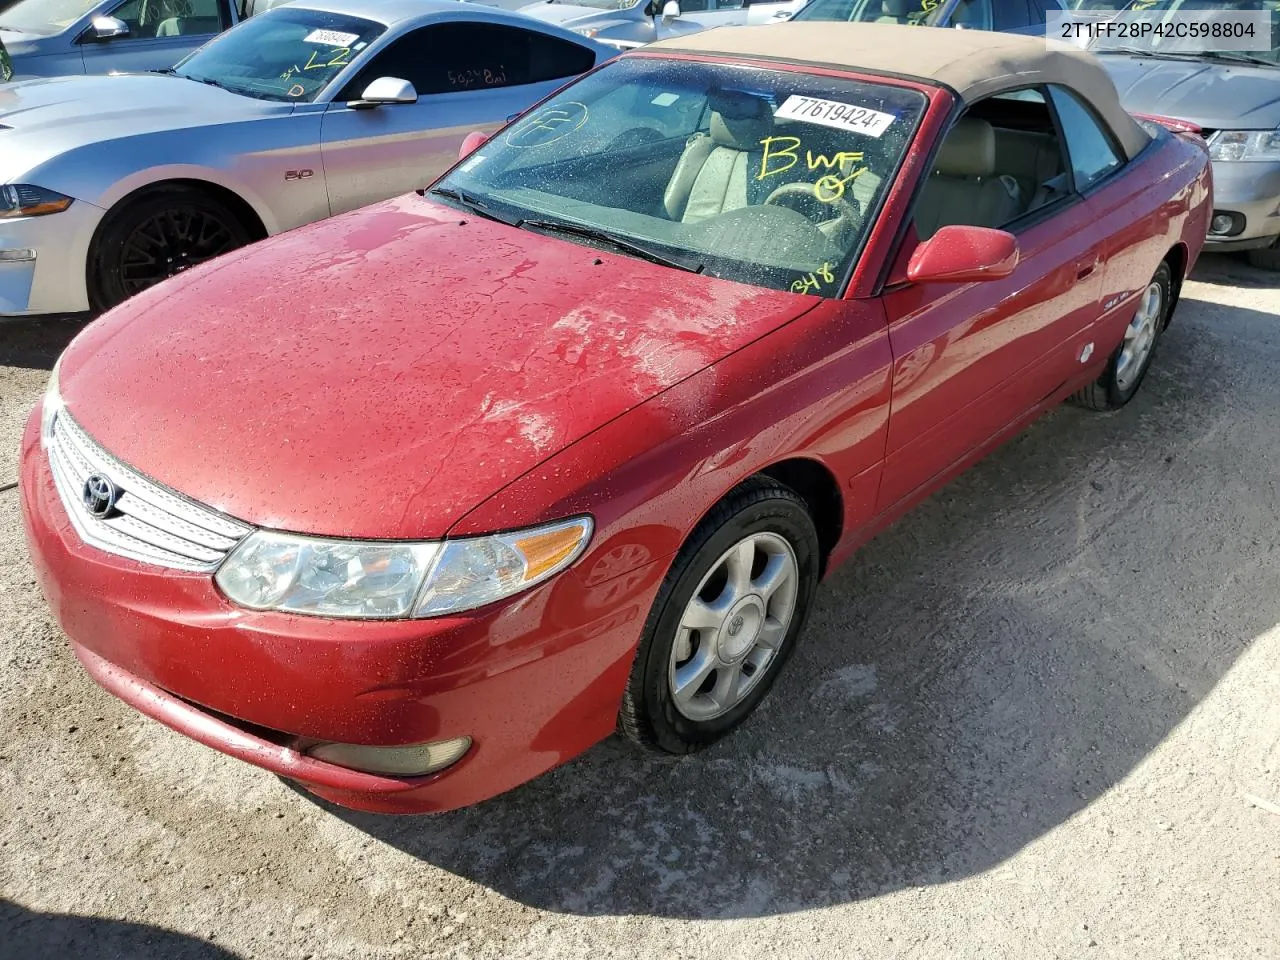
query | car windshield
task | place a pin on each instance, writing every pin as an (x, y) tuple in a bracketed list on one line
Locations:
[(6, 65), (45, 17), (289, 53), (911, 12), (1194, 13), (767, 177)]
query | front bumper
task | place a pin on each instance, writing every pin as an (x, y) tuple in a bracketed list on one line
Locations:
[(533, 683), (1250, 190), (52, 279)]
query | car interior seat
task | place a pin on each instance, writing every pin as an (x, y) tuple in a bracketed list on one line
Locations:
[(717, 170), (894, 11), (964, 187), (188, 26)]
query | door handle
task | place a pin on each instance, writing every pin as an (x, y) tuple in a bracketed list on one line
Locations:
[(1083, 270)]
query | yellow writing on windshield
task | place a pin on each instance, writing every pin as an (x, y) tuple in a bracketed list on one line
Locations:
[(812, 282), (335, 58), (782, 153)]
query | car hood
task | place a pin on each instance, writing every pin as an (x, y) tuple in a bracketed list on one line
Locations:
[(1214, 95), (19, 43), (382, 373), (45, 118), (104, 107)]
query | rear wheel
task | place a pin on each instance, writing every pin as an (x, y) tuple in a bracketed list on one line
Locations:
[(1128, 366), (156, 236), (724, 622)]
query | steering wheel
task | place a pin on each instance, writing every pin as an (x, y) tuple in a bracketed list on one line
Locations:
[(847, 209)]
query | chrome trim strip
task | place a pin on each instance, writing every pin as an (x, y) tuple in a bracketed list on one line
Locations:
[(153, 524)]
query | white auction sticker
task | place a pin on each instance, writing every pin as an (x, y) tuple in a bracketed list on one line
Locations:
[(830, 113), (331, 38)]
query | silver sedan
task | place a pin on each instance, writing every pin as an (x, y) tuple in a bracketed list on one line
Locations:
[(110, 184)]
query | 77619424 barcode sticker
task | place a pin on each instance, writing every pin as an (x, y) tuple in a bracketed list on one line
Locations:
[(829, 113)]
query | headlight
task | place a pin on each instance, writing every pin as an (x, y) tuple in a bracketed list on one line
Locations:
[(24, 200), (387, 579), (1245, 145), (51, 406)]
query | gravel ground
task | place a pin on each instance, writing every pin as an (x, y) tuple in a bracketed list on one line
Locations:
[(1038, 718)]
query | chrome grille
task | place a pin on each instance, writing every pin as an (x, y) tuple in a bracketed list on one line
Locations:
[(149, 523)]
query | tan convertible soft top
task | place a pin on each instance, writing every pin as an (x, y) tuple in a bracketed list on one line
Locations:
[(974, 63)]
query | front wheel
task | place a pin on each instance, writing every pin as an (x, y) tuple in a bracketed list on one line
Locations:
[(724, 622), (156, 236), (1129, 364), (1266, 258)]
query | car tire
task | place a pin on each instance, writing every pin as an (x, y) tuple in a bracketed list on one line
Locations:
[(747, 576), (1128, 365), (156, 235), (1266, 258)]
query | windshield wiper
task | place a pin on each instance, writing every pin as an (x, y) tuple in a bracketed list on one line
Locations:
[(169, 71), (472, 203), (1145, 52), (618, 243), (209, 80), (1231, 56)]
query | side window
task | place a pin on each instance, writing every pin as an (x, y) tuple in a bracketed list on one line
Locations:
[(707, 6), (170, 18), (1010, 14), (1000, 161), (1039, 11), (1090, 149), (973, 14), (457, 57)]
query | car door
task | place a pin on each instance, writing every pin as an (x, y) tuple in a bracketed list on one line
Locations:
[(1116, 203), (971, 359), (468, 76), (161, 32)]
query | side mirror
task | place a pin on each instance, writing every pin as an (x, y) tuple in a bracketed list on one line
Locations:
[(473, 141), (108, 28), (964, 254), (385, 91), (670, 10)]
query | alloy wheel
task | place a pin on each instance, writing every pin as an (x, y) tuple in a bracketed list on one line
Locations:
[(733, 626)]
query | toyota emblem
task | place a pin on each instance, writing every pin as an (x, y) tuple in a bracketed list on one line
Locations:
[(100, 496)]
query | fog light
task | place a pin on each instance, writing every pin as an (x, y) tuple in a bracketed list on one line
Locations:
[(19, 255), (1225, 224), (414, 760)]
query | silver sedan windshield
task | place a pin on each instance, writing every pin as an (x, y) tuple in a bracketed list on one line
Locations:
[(768, 177), (289, 54)]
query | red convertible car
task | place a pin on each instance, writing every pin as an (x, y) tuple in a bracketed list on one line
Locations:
[(414, 504)]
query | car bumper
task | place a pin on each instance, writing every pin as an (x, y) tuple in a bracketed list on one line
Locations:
[(42, 261), (532, 683), (1249, 190)]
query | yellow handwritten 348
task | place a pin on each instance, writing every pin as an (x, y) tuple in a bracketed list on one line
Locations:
[(783, 153)]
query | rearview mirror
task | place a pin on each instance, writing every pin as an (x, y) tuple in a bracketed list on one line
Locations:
[(964, 254), (471, 144), (670, 10), (385, 91), (108, 28)]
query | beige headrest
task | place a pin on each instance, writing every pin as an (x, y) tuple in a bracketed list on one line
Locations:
[(739, 121), (969, 150)]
